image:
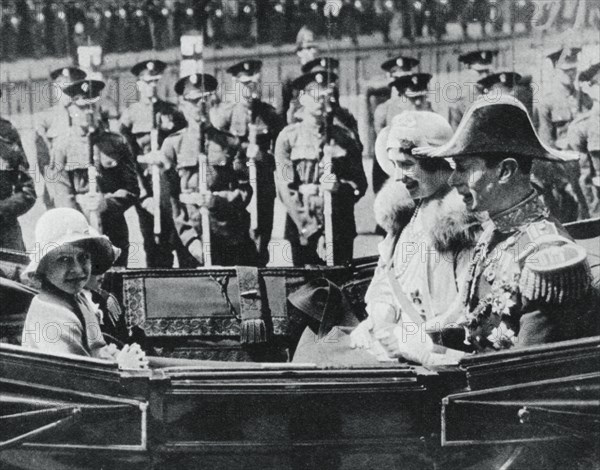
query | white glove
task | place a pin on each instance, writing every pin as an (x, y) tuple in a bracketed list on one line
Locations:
[(406, 341), (132, 357), (361, 337)]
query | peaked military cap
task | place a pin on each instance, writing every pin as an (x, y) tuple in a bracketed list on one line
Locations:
[(246, 67), (589, 73), (85, 92), (149, 69), (564, 57), (400, 64), (322, 64), (322, 78), (499, 127), (478, 60), (508, 79), (68, 74), (195, 85), (412, 85)]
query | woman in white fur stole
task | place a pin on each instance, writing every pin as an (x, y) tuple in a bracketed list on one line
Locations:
[(424, 258)]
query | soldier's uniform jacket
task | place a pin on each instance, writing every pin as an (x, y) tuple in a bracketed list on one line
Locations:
[(17, 191), (136, 124), (68, 170), (457, 110), (556, 111), (524, 281), (227, 179), (297, 155), (385, 112), (583, 136), (50, 124)]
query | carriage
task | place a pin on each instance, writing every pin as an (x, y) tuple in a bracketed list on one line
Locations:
[(210, 401)]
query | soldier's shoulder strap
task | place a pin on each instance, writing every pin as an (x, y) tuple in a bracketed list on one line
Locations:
[(554, 269)]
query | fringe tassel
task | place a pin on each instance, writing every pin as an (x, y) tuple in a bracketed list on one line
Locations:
[(253, 331), (556, 287)]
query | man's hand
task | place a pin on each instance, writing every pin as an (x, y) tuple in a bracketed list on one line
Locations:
[(330, 183), (203, 199), (252, 151), (132, 357), (148, 205), (91, 202), (196, 250), (152, 158)]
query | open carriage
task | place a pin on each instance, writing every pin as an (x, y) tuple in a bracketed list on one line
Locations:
[(534, 407)]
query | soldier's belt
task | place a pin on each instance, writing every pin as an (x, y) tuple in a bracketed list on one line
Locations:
[(310, 189)]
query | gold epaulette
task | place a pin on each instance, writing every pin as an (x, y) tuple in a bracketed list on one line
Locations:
[(555, 270)]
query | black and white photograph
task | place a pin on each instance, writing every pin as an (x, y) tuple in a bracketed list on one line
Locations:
[(300, 234)]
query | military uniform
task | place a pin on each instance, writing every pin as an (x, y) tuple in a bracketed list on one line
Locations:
[(527, 279), (584, 137), (235, 118), (68, 179), (557, 109), (54, 121), (526, 276), (17, 191), (136, 124), (227, 181), (297, 155)]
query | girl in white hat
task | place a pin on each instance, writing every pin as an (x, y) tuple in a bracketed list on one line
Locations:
[(61, 319)]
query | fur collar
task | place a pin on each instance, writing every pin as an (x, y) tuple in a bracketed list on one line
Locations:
[(450, 226)]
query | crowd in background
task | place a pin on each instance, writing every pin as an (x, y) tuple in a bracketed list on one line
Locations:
[(40, 28)]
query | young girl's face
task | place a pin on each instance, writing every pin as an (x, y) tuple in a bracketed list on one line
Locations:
[(69, 268)]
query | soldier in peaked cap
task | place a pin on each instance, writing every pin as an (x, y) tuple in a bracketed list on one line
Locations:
[(229, 190), (527, 277), (583, 136), (384, 113), (136, 124), (480, 63), (116, 180), (343, 116), (17, 190), (322, 64), (238, 118), (415, 87), (55, 120), (301, 154), (561, 103)]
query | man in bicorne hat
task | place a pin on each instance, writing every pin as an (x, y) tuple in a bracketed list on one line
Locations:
[(236, 118), (583, 136), (136, 124), (302, 154), (560, 105), (116, 179), (527, 280), (226, 173), (55, 120), (480, 64)]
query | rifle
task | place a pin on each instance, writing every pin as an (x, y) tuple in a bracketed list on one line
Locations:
[(155, 172), (327, 102), (203, 187), (92, 170), (251, 153)]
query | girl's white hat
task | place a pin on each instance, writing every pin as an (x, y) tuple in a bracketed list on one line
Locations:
[(59, 227)]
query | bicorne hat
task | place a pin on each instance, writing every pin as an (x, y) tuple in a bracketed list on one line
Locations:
[(501, 126)]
